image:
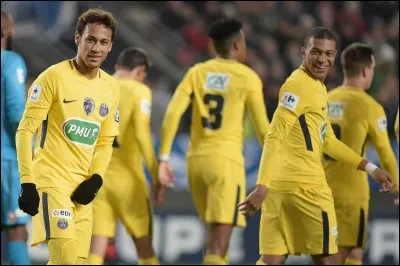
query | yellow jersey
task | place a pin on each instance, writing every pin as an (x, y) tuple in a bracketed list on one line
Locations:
[(219, 90), (75, 111), (134, 140), (299, 133), (357, 120)]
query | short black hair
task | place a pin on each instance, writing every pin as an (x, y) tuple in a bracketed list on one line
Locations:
[(133, 57), (355, 57), (98, 16), (320, 33), (222, 33)]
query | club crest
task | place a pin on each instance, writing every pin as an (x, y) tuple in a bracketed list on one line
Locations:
[(103, 109), (62, 224), (88, 106)]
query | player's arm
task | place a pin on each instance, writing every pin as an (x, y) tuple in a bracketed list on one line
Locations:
[(141, 121), (340, 152), (14, 86), (109, 130), (176, 107), (380, 139), (40, 98), (87, 190), (291, 106), (256, 108)]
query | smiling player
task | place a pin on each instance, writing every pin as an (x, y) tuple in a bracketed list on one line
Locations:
[(74, 107)]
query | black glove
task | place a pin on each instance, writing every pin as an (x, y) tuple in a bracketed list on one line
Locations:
[(29, 199), (87, 190)]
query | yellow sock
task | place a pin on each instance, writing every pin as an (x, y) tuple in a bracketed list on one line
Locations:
[(260, 262), (349, 261), (95, 259), (212, 259), (149, 261)]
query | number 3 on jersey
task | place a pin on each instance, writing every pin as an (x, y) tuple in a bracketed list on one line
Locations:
[(217, 103)]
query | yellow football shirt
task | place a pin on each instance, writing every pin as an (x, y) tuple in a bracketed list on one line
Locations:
[(299, 132), (134, 140), (219, 90), (75, 111), (357, 120)]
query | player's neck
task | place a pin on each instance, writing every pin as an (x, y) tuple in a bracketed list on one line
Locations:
[(89, 73), (354, 83)]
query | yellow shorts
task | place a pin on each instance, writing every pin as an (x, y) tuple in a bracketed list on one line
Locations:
[(124, 197), (352, 218), (217, 185), (59, 217), (298, 219)]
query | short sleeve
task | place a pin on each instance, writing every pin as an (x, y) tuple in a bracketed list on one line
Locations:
[(41, 96)]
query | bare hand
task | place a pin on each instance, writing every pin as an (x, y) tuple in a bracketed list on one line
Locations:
[(253, 201), (166, 174), (158, 194), (383, 178)]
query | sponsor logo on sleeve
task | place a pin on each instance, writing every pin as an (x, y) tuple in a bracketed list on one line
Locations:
[(145, 107), (217, 81), (116, 116), (382, 124), (322, 131), (20, 76), (289, 101), (35, 94)]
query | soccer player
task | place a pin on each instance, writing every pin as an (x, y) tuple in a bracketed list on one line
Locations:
[(220, 90), (125, 194), (74, 107), (298, 215), (13, 75), (357, 119)]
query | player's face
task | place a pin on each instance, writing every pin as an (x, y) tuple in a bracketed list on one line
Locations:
[(369, 73), (94, 44), (319, 56), (241, 48)]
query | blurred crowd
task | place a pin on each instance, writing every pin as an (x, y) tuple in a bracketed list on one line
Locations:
[(274, 32)]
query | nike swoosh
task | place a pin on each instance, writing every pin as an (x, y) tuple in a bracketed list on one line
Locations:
[(323, 108), (65, 101)]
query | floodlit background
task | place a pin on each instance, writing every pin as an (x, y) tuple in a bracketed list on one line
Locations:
[(174, 34)]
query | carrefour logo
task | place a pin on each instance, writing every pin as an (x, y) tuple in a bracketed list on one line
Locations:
[(81, 131)]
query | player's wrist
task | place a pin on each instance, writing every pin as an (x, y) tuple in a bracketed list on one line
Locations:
[(370, 168), (163, 158)]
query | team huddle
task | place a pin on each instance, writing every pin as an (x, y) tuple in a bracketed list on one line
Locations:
[(93, 130)]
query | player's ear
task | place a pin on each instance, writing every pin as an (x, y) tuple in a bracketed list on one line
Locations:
[(303, 51), (77, 38), (109, 49)]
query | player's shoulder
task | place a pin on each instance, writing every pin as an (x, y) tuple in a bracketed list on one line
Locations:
[(297, 81), (110, 82), (11, 58)]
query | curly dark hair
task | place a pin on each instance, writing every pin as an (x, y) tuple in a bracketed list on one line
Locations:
[(98, 16)]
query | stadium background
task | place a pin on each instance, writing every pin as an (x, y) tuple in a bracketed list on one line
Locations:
[(174, 34)]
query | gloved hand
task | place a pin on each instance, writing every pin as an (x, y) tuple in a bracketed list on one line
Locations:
[(29, 199), (87, 190)]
